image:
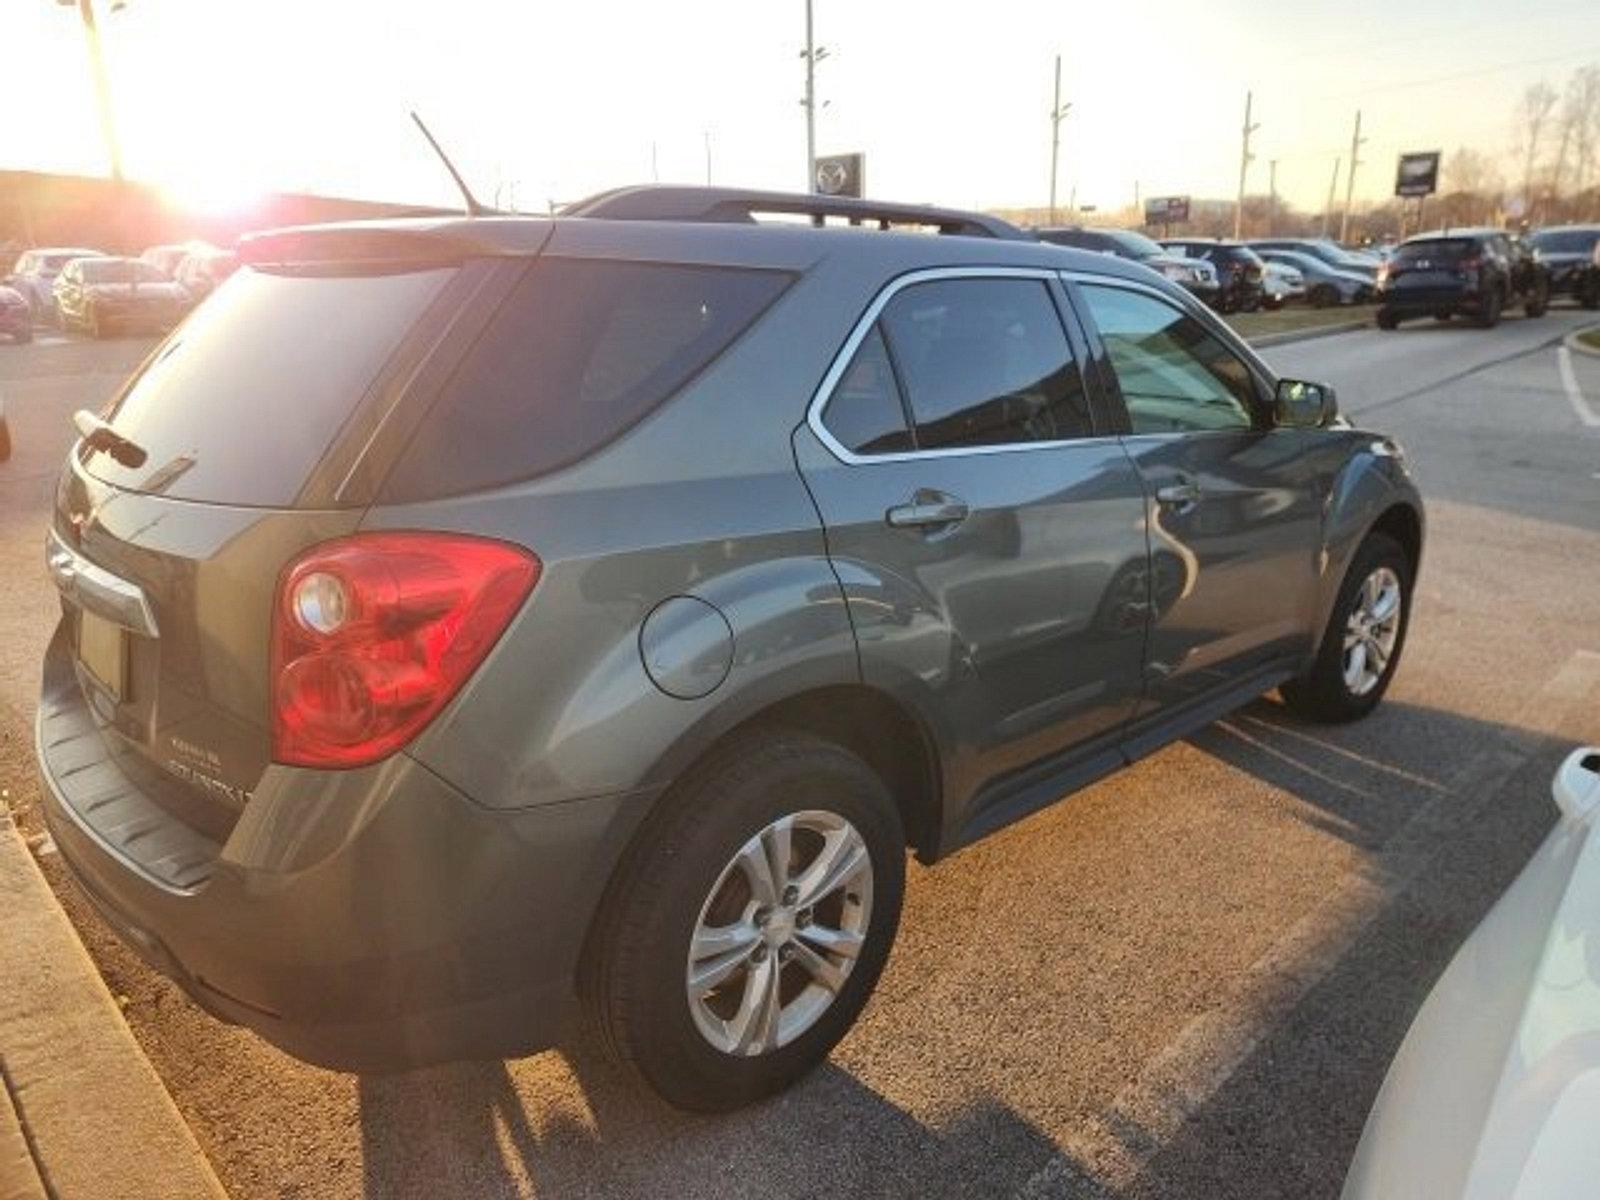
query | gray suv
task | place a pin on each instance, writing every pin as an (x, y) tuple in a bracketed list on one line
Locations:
[(467, 622)]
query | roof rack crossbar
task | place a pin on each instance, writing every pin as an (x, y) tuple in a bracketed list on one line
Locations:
[(673, 203)]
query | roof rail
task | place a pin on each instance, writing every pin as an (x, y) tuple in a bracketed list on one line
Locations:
[(677, 203)]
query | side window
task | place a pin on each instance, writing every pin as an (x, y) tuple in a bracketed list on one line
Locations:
[(865, 414), (1174, 374), (985, 362)]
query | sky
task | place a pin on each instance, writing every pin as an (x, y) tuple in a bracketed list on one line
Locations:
[(542, 103)]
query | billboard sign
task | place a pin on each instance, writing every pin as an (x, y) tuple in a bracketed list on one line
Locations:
[(1166, 210), (1418, 174)]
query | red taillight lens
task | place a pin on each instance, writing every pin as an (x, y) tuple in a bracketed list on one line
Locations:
[(1469, 264), (373, 634)]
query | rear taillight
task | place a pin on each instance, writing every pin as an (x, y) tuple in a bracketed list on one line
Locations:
[(373, 634), (1469, 264)]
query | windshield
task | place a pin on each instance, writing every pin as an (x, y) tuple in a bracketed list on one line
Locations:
[(120, 270), (1136, 244), (1566, 241), (1440, 250)]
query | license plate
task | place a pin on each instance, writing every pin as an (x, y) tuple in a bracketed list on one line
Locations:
[(101, 650)]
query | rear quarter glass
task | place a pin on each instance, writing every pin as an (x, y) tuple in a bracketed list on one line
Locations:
[(580, 351), (246, 397)]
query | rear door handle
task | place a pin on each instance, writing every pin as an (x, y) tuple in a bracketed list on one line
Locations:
[(1183, 494), (925, 511)]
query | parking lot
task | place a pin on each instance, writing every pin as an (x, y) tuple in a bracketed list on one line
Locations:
[(1186, 981)]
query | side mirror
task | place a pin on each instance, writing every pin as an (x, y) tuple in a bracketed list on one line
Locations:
[(1301, 405)]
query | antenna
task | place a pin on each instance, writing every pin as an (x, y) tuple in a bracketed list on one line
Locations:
[(474, 208)]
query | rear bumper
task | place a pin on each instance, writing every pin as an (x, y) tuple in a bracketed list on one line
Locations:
[(1431, 300), (360, 920)]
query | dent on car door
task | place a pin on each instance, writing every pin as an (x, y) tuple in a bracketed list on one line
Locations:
[(1234, 505), (990, 544)]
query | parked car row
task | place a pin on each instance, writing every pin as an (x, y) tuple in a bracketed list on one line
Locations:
[(79, 288)]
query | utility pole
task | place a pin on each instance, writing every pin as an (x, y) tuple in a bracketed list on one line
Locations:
[(1244, 166), (813, 54), (1333, 187), (102, 85), (1058, 111), (1137, 212), (1350, 178), (708, 157), (1272, 203)]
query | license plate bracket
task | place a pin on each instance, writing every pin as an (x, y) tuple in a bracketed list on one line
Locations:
[(103, 651)]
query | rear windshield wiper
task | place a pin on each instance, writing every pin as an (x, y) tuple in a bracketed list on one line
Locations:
[(97, 434)]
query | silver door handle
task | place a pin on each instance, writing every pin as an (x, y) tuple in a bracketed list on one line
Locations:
[(1179, 495), (941, 512)]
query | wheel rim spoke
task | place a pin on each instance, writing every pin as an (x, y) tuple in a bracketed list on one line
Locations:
[(824, 970), (755, 1024), (846, 943), (843, 856), (752, 860), (718, 953)]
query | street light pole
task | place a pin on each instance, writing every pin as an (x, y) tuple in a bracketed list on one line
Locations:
[(102, 84), (1058, 111), (1350, 178), (1245, 158)]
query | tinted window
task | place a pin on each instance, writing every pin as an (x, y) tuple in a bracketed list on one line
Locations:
[(1445, 250), (1566, 241), (580, 351), (119, 270), (1174, 374), (985, 362), (247, 395), (864, 413)]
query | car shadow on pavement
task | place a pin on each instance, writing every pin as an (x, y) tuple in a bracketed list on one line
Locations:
[(1323, 1058), (467, 1130)]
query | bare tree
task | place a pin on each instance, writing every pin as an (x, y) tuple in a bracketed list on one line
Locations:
[(1470, 186), (1580, 121), (1532, 117)]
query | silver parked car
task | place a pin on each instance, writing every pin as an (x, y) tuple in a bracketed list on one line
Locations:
[(34, 275), (465, 620)]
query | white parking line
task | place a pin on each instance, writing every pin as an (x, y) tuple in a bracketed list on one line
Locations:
[(1569, 380)]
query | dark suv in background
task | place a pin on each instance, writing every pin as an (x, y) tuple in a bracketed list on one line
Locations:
[(1571, 253), (466, 618), (1469, 272), (1239, 270)]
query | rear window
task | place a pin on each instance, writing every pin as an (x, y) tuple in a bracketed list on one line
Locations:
[(581, 350), (1443, 250), (1566, 241), (245, 398)]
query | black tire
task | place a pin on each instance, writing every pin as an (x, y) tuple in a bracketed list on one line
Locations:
[(634, 977), (1539, 302), (1387, 319), (1591, 297), (1490, 316), (1323, 296), (1322, 693)]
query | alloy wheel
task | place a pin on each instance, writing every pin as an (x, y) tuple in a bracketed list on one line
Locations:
[(1372, 630), (779, 933)]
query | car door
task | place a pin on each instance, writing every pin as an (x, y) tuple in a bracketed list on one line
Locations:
[(1234, 503), (987, 531)]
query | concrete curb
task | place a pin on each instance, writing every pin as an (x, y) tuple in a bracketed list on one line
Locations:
[(1572, 343), (83, 1111), (1266, 341)]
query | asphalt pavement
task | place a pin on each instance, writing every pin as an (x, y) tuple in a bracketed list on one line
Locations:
[(1185, 981)]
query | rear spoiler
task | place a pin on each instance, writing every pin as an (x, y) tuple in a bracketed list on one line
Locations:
[(396, 244)]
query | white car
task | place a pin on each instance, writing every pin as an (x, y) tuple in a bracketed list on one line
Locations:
[(1495, 1093), (1281, 283)]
